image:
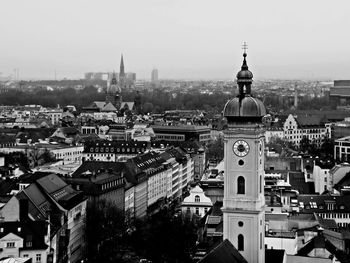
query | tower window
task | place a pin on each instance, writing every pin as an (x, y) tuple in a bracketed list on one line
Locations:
[(241, 162), (241, 185), (261, 184), (240, 242), (197, 199), (240, 223)]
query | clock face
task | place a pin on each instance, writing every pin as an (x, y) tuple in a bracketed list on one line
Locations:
[(241, 148)]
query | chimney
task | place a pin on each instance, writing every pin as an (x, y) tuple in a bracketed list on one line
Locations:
[(23, 210)]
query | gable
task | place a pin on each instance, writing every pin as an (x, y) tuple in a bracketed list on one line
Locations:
[(10, 211), (11, 237)]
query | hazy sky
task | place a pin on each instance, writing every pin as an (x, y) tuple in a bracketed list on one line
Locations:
[(182, 38)]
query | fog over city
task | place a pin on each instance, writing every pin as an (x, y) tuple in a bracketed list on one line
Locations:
[(198, 39)]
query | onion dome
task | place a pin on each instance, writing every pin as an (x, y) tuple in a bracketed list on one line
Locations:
[(244, 107), (244, 75)]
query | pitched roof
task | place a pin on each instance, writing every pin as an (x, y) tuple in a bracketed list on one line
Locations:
[(109, 107), (309, 121), (297, 181), (320, 241), (98, 166), (60, 191), (128, 104), (223, 253)]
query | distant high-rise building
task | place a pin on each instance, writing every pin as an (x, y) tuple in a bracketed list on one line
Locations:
[(154, 76), (130, 77)]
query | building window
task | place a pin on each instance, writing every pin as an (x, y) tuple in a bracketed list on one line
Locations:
[(38, 257), (241, 185), (197, 210), (10, 244), (261, 184), (260, 240), (240, 242), (29, 241), (197, 199)]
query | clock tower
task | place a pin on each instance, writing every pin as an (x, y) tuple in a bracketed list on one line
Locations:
[(244, 202)]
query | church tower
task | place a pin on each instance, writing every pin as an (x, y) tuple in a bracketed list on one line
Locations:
[(244, 202), (122, 78), (113, 93)]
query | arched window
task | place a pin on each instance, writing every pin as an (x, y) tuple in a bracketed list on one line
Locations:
[(197, 199), (240, 242), (241, 185)]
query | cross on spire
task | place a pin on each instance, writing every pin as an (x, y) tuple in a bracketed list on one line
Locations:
[(245, 47)]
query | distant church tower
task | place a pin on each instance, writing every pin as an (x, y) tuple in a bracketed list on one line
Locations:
[(122, 78), (244, 201), (113, 93)]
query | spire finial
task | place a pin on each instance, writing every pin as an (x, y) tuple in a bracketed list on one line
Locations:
[(245, 47)]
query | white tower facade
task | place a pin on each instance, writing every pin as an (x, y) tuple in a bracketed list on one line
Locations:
[(244, 202)]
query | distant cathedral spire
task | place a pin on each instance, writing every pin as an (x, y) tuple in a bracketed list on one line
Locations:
[(122, 72), (122, 81)]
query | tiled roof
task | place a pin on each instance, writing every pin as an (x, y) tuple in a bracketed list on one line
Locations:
[(309, 121)]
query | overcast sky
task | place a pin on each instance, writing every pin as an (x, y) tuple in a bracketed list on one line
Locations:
[(188, 39)]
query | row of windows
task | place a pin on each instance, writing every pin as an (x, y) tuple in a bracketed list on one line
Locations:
[(111, 149), (335, 215), (112, 184), (37, 257), (170, 137), (64, 154)]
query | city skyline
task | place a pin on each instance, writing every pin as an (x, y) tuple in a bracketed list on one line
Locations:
[(185, 40)]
